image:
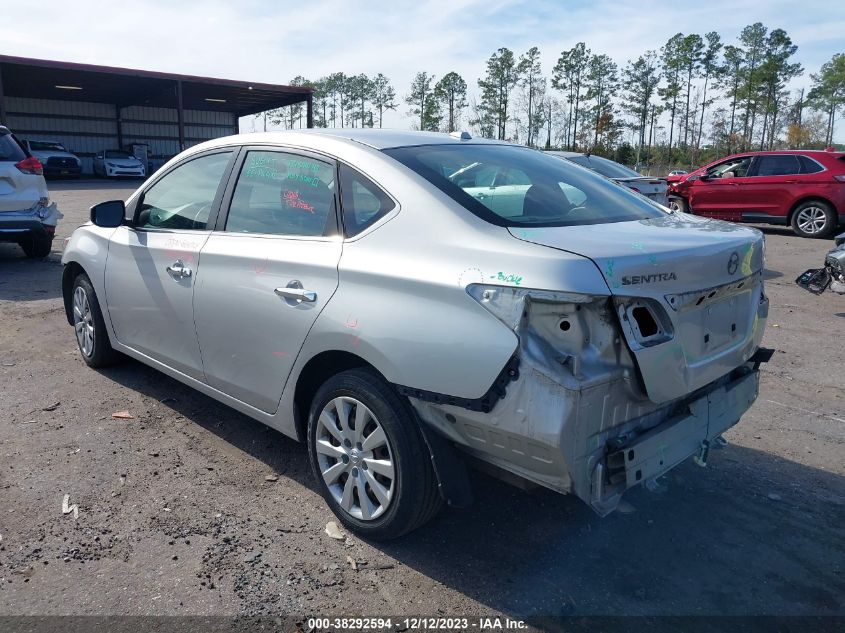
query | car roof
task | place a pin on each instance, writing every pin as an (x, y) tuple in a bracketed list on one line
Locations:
[(774, 152), (375, 138), (387, 138)]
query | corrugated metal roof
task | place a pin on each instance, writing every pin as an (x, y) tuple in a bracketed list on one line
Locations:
[(39, 78)]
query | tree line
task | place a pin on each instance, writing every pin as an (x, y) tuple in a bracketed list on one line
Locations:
[(692, 100)]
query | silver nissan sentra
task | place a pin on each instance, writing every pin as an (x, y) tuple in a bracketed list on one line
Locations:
[(408, 302)]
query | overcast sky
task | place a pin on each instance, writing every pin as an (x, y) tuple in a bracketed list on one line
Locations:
[(273, 41)]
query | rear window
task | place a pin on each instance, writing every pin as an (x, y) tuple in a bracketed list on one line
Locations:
[(516, 186), (809, 166), (9, 148), (46, 146), (604, 166)]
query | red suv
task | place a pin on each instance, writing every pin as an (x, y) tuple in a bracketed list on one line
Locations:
[(803, 188)]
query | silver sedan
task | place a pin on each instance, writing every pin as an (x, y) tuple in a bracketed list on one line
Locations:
[(402, 300)]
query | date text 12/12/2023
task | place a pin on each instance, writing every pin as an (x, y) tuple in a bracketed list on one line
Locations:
[(494, 623)]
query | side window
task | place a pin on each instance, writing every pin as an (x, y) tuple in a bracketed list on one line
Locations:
[(809, 166), (283, 194), (362, 201), (778, 165), (732, 168), (182, 199)]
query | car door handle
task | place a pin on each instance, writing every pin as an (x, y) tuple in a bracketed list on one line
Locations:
[(297, 294), (178, 270)]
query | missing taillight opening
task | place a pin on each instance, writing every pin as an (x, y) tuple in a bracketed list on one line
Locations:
[(645, 321)]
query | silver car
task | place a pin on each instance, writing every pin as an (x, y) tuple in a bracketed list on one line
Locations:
[(654, 188), (358, 290)]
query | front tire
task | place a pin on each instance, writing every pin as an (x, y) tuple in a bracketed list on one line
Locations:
[(678, 204), (369, 457), (813, 218), (92, 338)]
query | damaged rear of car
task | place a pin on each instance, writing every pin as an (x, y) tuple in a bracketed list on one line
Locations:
[(27, 217), (612, 387)]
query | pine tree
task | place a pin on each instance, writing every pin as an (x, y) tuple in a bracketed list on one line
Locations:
[(451, 93), (568, 76), (383, 96), (503, 74)]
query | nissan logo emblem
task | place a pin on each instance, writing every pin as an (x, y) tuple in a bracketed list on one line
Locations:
[(733, 263)]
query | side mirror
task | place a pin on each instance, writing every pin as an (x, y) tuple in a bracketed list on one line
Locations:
[(109, 214), (701, 177)]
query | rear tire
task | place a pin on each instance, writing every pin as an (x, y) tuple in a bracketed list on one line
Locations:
[(814, 218), (37, 246), (678, 204), (92, 338), (386, 460)]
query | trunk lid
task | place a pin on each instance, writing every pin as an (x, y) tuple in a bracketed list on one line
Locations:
[(654, 188), (688, 292)]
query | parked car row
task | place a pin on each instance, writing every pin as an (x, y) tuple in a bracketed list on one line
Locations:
[(57, 162), (803, 189)]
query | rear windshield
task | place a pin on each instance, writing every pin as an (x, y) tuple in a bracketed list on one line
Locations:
[(9, 148), (604, 166), (516, 186), (46, 146)]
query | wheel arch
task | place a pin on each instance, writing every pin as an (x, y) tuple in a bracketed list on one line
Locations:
[(802, 200), (449, 467), (70, 272), (314, 373)]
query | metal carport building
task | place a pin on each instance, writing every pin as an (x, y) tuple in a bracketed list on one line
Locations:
[(90, 108)]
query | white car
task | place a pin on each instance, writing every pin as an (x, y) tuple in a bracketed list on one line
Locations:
[(55, 159), (26, 215), (111, 163)]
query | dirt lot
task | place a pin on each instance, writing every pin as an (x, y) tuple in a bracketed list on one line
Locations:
[(177, 515)]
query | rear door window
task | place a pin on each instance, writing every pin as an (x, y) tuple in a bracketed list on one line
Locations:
[(778, 165), (9, 149), (282, 193), (363, 202)]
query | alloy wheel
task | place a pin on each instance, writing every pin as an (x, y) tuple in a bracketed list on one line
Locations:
[(83, 321), (355, 458), (811, 220)]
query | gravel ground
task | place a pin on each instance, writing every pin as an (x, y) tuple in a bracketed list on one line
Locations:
[(192, 508)]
